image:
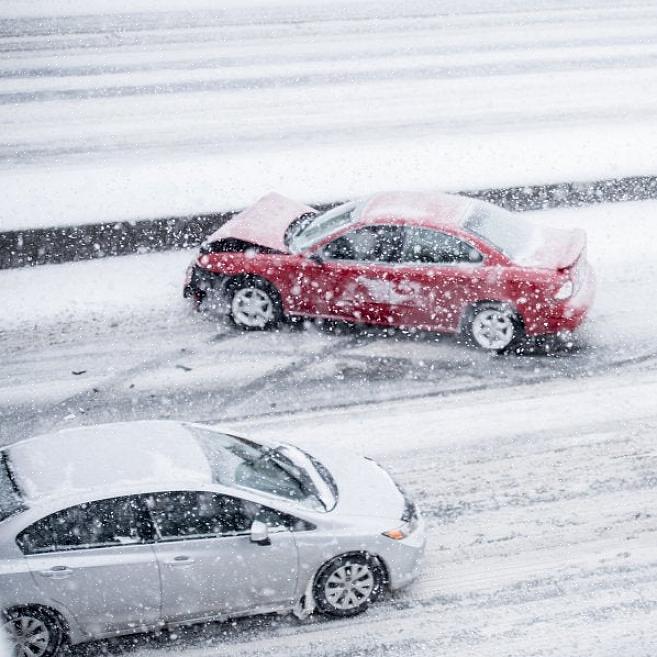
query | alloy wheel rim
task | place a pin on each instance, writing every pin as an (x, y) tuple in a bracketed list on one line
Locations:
[(349, 586), (29, 635), (493, 329), (252, 307)]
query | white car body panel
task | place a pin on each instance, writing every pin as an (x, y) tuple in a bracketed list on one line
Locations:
[(119, 589)]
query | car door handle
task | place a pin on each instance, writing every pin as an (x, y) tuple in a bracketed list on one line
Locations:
[(180, 560), (57, 572)]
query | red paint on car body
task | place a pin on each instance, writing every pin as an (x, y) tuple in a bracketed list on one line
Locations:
[(407, 291)]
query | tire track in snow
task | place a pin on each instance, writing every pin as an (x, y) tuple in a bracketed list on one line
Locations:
[(81, 403), (452, 377), (436, 72), (281, 375)]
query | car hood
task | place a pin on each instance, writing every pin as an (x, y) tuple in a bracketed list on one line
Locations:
[(264, 223), (553, 248), (364, 487)]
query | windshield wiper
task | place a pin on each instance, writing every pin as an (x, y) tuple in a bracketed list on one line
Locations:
[(297, 226), (264, 454)]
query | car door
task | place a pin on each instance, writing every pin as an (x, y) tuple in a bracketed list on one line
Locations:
[(209, 565), (352, 280), (97, 560), (437, 276)]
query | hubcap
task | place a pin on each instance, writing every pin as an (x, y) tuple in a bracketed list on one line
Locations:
[(29, 635), (493, 329), (252, 307), (349, 586)]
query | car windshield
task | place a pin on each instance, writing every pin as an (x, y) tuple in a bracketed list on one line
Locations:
[(284, 471), (510, 234), (321, 225), (11, 500)]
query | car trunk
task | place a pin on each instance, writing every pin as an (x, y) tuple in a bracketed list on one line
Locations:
[(553, 248)]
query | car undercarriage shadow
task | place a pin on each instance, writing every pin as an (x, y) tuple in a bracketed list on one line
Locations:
[(542, 346), (206, 635)]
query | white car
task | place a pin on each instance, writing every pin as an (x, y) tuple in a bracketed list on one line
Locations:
[(122, 528)]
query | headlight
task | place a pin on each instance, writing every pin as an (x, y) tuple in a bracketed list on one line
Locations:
[(410, 521), (403, 531), (565, 291)]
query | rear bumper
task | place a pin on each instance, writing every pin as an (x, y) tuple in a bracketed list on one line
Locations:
[(568, 315)]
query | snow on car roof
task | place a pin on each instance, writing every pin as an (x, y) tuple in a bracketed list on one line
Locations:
[(107, 456), (424, 207)]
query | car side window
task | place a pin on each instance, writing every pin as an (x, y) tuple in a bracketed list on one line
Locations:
[(104, 523), (423, 245), (197, 514), (275, 519), (369, 244)]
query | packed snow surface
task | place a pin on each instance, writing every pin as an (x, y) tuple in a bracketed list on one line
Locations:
[(120, 111)]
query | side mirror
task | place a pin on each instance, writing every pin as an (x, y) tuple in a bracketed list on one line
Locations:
[(260, 533), (316, 257), (474, 255)]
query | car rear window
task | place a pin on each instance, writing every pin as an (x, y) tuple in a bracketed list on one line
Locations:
[(11, 500), (510, 234)]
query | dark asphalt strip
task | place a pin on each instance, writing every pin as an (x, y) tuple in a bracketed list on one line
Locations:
[(38, 246)]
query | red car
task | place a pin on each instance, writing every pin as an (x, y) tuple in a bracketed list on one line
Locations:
[(433, 261)]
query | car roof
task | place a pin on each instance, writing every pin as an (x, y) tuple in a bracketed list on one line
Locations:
[(428, 208), (107, 457)]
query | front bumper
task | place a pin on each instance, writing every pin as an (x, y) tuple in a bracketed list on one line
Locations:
[(404, 558), (198, 281)]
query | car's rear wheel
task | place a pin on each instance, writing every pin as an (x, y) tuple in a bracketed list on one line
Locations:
[(493, 327), (346, 585), (254, 304), (33, 633)]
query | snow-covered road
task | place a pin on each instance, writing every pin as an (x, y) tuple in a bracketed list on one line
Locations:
[(537, 475), (541, 523), (541, 527), (125, 110), (108, 339)]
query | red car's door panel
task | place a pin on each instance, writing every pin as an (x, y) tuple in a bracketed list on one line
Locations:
[(345, 290), (350, 278), (437, 277), (433, 296)]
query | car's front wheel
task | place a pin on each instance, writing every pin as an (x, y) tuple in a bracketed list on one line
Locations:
[(346, 585), (493, 326), (254, 304), (33, 633)]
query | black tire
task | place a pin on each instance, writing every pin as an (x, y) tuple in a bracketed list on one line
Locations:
[(493, 326), (254, 304), (40, 629), (346, 585)]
